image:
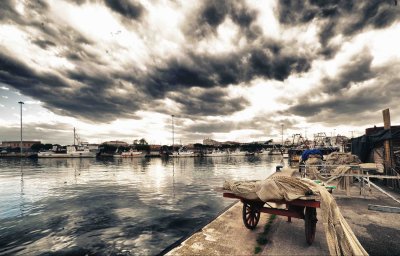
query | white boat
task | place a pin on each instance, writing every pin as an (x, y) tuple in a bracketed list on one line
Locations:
[(183, 153), (130, 154), (237, 152), (217, 153), (72, 151)]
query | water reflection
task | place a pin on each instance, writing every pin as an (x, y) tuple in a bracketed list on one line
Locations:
[(112, 206), (22, 190)]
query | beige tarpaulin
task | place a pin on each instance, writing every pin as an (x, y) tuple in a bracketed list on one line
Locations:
[(340, 238)]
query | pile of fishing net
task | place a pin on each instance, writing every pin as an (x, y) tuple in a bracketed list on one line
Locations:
[(339, 158), (336, 164), (340, 238)]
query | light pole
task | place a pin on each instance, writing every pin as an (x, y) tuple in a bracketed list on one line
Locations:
[(173, 139), (282, 133), (20, 145)]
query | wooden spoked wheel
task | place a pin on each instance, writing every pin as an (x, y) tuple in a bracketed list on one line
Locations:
[(251, 215), (310, 222)]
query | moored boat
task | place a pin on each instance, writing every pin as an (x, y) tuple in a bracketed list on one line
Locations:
[(130, 154), (72, 151), (216, 153), (183, 153)]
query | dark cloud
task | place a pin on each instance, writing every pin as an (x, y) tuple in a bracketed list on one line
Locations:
[(350, 96), (357, 70), (43, 43), (206, 128), (197, 82), (92, 101), (210, 102), (336, 88), (127, 8), (338, 17), (7, 11), (213, 13), (207, 71)]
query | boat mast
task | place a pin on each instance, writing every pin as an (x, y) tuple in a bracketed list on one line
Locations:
[(74, 136)]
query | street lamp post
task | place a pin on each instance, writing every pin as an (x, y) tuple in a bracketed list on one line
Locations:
[(20, 145), (173, 139)]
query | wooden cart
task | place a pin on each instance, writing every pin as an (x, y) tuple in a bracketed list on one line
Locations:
[(304, 208)]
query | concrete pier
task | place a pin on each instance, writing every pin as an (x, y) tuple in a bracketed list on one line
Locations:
[(378, 232), (226, 235)]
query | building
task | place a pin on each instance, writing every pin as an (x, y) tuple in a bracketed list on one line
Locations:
[(17, 143)]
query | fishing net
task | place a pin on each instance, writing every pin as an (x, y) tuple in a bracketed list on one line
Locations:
[(339, 158)]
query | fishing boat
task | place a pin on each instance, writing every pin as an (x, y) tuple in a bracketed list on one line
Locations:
[(72, 151), (130, 154), (216, 153), (183, 153), (77, 150)]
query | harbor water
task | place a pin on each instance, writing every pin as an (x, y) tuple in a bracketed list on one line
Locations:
[(113, 207)]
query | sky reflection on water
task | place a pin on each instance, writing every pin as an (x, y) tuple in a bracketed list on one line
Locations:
[(124, 206)]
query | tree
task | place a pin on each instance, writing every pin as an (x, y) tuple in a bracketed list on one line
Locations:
[(39, 146), (142, 141)]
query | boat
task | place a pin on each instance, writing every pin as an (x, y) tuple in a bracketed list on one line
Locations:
[(79, 150), (71, 151), (130, 154), (183, 153), (285, 153), (216, 153)]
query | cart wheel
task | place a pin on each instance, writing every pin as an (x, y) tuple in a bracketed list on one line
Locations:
[(251, 215), (310, 221)]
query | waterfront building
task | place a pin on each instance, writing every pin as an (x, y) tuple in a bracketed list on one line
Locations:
[(16, 144)]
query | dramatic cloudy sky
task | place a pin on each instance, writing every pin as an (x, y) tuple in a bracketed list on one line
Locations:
[(227, 70)]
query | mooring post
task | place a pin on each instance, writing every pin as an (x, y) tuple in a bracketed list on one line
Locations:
[(387, 145)]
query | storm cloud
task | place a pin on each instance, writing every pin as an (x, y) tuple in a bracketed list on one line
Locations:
[(213, 13), (89, 90), (105, 60), (352, 96), (337, 17), (126, 8)]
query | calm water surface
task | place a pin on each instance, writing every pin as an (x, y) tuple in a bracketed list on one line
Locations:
[(113, 207)]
